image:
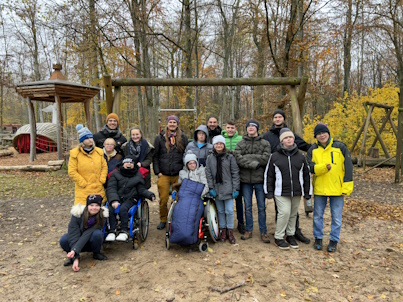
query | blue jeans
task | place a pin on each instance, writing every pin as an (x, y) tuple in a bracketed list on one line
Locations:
[(247, 191), (93, 245), (225, 209), (123, 215), (336, 210)]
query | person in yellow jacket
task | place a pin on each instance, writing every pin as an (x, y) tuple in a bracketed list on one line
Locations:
[(87, 167), (332, 169)]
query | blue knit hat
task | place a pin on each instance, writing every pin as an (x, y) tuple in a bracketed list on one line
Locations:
[(83, 133)]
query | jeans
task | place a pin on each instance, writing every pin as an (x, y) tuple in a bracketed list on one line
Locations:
[(93, 245), (225, 209), (247, 191), (336, 210), (123, 215), (239, 208)]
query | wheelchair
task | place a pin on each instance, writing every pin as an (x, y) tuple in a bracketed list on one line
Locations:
[(208, 225), (138, 222)]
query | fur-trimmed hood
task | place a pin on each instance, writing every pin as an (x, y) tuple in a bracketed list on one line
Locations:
[(78, 209)]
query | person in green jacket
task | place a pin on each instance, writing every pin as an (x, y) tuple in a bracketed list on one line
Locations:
[(232, 137)]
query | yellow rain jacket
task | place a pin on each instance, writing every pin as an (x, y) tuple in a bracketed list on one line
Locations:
[(89, 171), (339, 179)]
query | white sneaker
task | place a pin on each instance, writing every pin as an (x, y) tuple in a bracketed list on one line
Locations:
[(110, 237), (122, 237)]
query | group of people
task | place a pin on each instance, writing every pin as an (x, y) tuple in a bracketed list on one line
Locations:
[(231, 166)]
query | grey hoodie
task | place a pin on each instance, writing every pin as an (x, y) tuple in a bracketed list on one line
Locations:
[(204, 151)]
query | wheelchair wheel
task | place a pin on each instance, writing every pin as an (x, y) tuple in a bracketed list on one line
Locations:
[(203, 247), (167, 242), (144, 222), (212, 220)]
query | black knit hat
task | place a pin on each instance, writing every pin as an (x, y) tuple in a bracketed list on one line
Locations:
[(129, 159), (94, 198), (320, 128), (253, 123), (279, 111)]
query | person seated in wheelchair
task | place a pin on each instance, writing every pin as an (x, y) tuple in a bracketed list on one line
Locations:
[(125, 187), (191, 170)]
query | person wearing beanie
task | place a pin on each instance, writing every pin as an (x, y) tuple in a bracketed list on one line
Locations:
[(252, 154), (87, 167), (223, 181), (273, 137), (110, 130), (213, 127), (85, 231), (286, 180), (200, 145), (125, 187), (332, 169), (169, 146), (231, 139)]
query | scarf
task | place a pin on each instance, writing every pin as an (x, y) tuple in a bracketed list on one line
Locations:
[(288, 150), (128, 172), (111, 133), (88, 150), (172, 139), (91, 222), (139, 151), (219, 156)]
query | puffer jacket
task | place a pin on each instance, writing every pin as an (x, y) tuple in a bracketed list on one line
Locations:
[(122, 188), (230, 142), (171, 163), (230, 176), (101, 136), (273, 137), (202, 152), (287, 174), (88, 171), (339, 179), (78, 236), (252, 155)]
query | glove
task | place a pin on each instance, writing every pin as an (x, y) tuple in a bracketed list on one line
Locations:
[(174, 195), (269, 196), (235, 194), (213, 193)]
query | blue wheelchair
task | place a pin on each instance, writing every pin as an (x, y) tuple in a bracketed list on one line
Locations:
[(138, 222)]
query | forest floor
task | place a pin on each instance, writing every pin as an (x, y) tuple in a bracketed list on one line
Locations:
[(34, 213)]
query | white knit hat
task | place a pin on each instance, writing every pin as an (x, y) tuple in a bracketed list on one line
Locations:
[(285, 132), (218, 139)]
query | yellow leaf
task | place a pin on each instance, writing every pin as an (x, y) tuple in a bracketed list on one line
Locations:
[(30, 259), (314, 289), (369, 250), (383, 296), (370, 297), (117, 292), (210, 250), (20, 243), (155, 262), (282, 293), (53, 243), (157, 290)]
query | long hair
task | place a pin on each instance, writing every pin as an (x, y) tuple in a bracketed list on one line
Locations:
[(178, 141), (99, 218), (136, 128)]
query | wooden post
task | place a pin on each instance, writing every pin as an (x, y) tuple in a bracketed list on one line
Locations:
[(32, 122), (87, 113), (59, 124), (361, 160), (378, 135), (116, 100), (108, 93), (296, 114), (301, 92), (385, 120)]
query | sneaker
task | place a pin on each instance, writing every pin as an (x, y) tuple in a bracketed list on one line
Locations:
[(265, 238), (241, 228), (122, 237), (293, 243), (161, 226), (99, 256), (300, 237), (110, 237), (247, 235), (318, 244), (281, 244), (332, 247), (68, 262)]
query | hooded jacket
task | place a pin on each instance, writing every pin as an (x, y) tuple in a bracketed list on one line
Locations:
[(339, 179), (88, 171), (202, 152), (199, 174), (273, 137), (101, 136), (78, 236), (287, 174), (167, 163), (252, 155)]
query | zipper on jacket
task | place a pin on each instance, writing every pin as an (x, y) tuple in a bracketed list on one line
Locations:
[(331, 154), (250, 175), (289, 166)]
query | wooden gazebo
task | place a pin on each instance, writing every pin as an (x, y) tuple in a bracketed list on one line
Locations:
[(55, 90)]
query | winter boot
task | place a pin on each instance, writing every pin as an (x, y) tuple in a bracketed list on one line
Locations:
[(231, 237), (223, 235)]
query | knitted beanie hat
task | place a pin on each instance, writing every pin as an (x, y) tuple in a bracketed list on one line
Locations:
[(253, 123), (189, 157), (279, 111), (94, 198), (112, 115), (320, 128), (218, 139), (285, 132), (83, 133), (173, 117), (129, 159)]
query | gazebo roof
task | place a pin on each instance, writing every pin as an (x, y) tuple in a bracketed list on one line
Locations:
[(46, 91)]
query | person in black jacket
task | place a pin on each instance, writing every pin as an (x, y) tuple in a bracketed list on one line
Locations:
[(213, 128), (110, 130), (287, 178), (168, 161), (125, 187), (85, 231), (273, 137)]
